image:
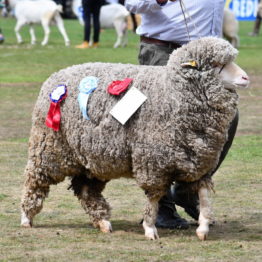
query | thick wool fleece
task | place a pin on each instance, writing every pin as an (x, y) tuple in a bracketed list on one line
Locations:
[(176, 135)]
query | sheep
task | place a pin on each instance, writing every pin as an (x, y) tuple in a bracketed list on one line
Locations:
[(176, 135), (111, 16), (230, 27), (40, 11)]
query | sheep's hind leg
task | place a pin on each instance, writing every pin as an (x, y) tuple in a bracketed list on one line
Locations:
[(45, 25), (35, 191), (88, 192), (32, 33), (61, 28), (205, 215)]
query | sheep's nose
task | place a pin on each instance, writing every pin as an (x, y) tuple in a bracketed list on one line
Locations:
[(245, 78)]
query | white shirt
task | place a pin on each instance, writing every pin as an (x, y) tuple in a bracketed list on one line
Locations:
[(167, 22)]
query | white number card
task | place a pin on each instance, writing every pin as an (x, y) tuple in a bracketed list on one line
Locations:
[(128, 105)]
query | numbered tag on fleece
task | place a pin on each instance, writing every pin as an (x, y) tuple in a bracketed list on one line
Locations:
[(128, 105)]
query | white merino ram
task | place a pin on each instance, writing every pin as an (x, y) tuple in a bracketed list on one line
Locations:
[(176, 135), (40, 11), (111, 16)]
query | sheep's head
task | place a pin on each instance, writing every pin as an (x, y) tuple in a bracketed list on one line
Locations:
[(212, 57)]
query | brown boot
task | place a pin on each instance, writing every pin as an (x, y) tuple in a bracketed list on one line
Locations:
[(84, 45)]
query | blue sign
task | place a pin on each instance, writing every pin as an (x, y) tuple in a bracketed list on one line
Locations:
[(243, 9)]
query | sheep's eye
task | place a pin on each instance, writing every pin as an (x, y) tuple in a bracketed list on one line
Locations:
[(215, 65)]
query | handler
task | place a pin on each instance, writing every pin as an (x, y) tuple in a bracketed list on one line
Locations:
[(163, 29), (91, 8)]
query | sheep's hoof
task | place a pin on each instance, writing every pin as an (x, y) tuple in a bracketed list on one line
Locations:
[(150, 232), (26, 225), (201, 235), (25, 221), (67, 43), (104, 226)]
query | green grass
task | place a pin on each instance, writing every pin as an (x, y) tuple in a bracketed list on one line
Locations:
[(17, 61), (62, 231)]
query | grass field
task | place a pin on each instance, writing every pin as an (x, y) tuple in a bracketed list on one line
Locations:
[(62, 230)]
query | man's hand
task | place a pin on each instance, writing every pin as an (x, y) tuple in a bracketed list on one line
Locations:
[(162, 2)]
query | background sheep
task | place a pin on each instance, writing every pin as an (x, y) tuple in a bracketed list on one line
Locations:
[(177, 134), (231, 27), (41, 11), (111, 16)]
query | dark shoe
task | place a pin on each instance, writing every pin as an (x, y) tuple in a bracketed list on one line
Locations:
[(167, 216), (189, 201), (174, 222)]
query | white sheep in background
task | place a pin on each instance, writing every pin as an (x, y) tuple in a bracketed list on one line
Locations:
[(111, 16), (40, 11), (231, 27)]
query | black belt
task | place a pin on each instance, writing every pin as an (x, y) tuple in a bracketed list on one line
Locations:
[(150, 40)]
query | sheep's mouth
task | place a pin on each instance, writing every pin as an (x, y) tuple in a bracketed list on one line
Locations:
[(231, 89)]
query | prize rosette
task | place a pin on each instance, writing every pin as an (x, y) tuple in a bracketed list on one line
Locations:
[(86, 86), (117, 87), (54, 114)]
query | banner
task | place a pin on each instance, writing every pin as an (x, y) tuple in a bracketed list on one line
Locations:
[(243, 9)]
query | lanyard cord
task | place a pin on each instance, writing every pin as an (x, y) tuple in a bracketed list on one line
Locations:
[(185, 12), (221, 69)]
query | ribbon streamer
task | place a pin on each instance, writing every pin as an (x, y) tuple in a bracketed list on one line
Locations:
[(117, 87), (86, 87), (54, 114)]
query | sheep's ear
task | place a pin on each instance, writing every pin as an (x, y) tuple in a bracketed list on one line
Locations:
[(190, 64)]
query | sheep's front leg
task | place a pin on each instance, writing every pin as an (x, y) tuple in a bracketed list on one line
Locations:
[(205, 215), (149, 222)]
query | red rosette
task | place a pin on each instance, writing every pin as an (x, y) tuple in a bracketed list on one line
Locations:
[(117, 87), (54, 114)]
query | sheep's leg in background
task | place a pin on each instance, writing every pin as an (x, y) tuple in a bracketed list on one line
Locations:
[(119, 27), (88, 192), (35, 190), (45, 23), (205, 215), (19, 25), (32, 34), (125, 35), (235, 41), (61, 28)]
